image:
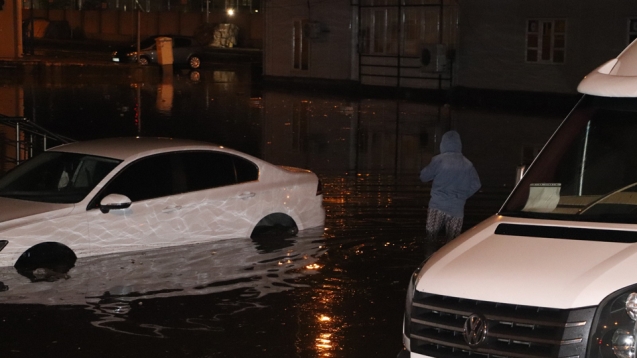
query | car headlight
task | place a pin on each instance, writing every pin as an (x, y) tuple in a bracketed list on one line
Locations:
[(615, 326), (411, 291)]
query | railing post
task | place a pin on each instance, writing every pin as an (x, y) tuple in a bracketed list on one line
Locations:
[(17, 142)]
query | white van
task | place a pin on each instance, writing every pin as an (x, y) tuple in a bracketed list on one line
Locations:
[(554, 273)]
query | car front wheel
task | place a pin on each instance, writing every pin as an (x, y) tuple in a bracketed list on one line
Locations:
[(143, 61), (194, 62)]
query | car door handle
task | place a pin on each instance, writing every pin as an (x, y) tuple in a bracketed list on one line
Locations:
[(171, 209), (246, 195)]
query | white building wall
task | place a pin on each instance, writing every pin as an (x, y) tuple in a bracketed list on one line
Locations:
[(492, 42), (330, 53)]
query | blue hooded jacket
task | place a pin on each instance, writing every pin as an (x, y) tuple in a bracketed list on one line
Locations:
[(454, 177)]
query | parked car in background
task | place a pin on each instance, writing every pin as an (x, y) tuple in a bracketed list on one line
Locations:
[(128, 194), (186, 52)]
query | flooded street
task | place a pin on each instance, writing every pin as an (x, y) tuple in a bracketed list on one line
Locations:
[(336, 291)]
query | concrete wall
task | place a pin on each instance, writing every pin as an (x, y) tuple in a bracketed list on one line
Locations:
[(10, 30), (113, 25), (329, 54), (492, 44)]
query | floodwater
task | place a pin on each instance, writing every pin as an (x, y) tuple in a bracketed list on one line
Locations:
[(336, 291)]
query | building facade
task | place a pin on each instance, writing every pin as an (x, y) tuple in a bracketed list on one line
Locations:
[(393, 43), (530, 46), (539, 45), (10, 29)]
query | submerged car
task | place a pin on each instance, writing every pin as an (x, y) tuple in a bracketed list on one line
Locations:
[(186, 52), (127, 194)]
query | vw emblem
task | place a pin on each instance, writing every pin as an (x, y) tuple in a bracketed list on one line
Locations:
[(475, 330)]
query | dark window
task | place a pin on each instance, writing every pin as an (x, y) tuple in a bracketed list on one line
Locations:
[(175, 173), (148, 42), (246, 170), (632, 30), (213, 169), (146, 178), (181, 42)]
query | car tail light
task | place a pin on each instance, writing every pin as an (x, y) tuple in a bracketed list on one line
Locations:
[(319, 188)]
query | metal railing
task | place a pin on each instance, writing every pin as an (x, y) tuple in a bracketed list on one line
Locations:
[(27, 140)]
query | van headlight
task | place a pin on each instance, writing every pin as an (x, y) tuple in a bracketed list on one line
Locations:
[(615, 331)]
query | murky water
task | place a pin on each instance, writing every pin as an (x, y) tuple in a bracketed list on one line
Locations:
[(332, 292)]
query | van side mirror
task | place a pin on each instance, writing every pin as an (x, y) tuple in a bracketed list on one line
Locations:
[(114, 202)]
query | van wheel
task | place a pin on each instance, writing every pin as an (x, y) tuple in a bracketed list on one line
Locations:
[(144, 61), (47, 261)]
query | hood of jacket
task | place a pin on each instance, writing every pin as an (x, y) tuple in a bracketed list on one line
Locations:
[(451, 143)]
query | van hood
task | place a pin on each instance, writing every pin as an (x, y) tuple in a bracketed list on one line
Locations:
[(528, 270), (20, 209)]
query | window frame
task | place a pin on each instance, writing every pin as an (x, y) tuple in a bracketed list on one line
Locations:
[(536, 50), (382, 28)]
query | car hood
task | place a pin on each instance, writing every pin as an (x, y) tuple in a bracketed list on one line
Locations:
[(526, 270), (14, 209)]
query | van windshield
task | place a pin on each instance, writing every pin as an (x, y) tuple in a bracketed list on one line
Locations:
[(588, 170)]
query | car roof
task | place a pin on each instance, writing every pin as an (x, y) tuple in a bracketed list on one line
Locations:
[(123, 148)]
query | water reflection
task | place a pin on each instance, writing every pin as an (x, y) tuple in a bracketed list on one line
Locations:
[(114, 285), (366, 152), (332, 135)]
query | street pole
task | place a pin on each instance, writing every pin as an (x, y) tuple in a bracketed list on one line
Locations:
[(31, 33), (138, 32)]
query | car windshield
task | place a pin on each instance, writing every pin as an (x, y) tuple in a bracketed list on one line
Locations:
[(56, 177), (588, 170), (146, 43)]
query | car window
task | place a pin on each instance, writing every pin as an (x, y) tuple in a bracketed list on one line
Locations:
[(175, 173), (246, 170), (147, 178), (181, 42), (206, 170), (56, 177), (147, 43)]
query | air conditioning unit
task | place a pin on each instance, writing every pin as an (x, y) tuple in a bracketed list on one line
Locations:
[(433, 58)]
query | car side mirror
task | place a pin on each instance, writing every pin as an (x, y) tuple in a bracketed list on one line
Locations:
[(114, 202)]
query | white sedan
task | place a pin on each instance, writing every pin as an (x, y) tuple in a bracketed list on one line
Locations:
[(127, 194)]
